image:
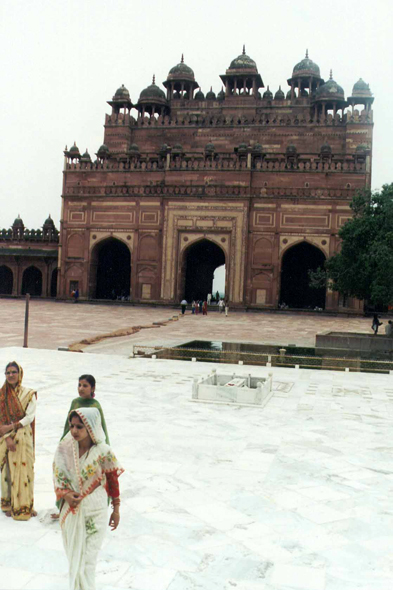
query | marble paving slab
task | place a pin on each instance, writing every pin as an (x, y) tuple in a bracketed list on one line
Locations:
[(298, 496)]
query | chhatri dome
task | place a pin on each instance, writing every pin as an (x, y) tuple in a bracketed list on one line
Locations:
[(306, 67), (243, 62)]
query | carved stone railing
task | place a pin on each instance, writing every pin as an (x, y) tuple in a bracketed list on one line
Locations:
[(262, 119), (225, 162), (30, 235)]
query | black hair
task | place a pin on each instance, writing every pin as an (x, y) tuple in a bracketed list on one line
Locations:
[(75, 415), (91, 381), (89, 378), (12, 364)]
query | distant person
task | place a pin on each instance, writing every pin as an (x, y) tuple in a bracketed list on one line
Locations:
[(217, 296), (226, 308), (193, 307), (376, 323), (200, 305), (221, 305), (209, 298), (183, 304), (196, 307), (204, 308), (76, 295), (389, 329)]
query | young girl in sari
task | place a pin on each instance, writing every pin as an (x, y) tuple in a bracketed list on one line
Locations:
[(86, 390), (17, 412), (85, 473)]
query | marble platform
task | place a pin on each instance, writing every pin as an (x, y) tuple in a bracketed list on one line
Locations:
[(298, 496), (225, 388)]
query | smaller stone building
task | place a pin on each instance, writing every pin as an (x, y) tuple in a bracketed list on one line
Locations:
[(28, 259)]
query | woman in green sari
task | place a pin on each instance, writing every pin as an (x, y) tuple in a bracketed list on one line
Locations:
[(86, 389)]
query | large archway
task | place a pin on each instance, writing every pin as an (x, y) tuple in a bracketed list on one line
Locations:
[(6, 280), (32, 281), (200, 261), (295, 282), (111, 264), (53, 283)]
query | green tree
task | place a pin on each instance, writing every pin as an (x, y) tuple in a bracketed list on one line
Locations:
[(364, 266)]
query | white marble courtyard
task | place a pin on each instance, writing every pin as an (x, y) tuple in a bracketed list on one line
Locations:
[(297, 495)]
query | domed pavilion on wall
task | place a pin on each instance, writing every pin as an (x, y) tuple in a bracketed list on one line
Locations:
[(242, 175)]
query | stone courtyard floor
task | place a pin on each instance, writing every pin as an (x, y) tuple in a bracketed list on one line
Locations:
[(294, 496), (54, 324), (297, 495)]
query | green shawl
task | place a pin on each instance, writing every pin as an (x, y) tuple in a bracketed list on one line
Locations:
[(81, 402)]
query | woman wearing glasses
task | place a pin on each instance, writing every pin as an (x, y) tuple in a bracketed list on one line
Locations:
[(17, 412)]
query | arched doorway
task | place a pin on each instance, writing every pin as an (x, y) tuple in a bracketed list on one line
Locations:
[(53, 283), (32, 281), (295, 282), (200, 261), (112, 261), (6, 280)]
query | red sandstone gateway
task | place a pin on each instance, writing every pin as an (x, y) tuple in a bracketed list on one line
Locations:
[(184, 183)]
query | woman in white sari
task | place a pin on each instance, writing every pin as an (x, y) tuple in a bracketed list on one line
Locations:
[(85, 473)]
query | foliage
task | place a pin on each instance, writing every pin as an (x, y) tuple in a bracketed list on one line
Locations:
[(364, 266)]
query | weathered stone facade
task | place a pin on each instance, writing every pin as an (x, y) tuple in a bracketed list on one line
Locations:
[(29, 260), (252, 173)]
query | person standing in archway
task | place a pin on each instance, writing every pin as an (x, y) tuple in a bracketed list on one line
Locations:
[(200, 306), (204, 308), (17, 413), (183, 304)]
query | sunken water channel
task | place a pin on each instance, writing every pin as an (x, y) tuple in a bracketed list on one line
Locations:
[(273, 355)]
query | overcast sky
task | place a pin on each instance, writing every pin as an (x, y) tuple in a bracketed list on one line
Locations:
[(62, 60)]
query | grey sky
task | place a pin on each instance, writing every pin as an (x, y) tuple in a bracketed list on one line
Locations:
[(63, 60)]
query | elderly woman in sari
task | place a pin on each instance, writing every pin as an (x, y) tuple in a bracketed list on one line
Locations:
[(17, 412), (85, 473)]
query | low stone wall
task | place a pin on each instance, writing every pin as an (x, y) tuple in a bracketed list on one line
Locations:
[(354, 341)]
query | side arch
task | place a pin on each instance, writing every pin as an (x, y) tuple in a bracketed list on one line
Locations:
[(296, 262), (110, 269), (32, 281), (6, 280)]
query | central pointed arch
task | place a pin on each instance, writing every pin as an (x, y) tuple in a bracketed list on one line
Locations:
[(110, 270), (200, 260)]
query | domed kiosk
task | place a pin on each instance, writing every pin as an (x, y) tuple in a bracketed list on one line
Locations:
[(152, 100), (181, 83), (329, 96), (242, 77), (305, 75)]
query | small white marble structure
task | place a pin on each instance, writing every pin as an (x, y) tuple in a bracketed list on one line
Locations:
[(233, 389)]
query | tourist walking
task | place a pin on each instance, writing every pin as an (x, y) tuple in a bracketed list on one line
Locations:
[(85, 473), (221, 305), (17, 413), (200, 305), (196, 307), (183, 304), (376, 323), (226, 308), (204, 308), (193, 307), (76, 295)]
